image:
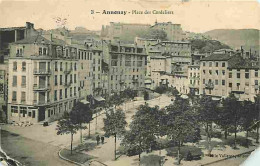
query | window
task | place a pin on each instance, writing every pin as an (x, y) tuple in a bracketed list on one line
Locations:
[(60, 79), (60, 93), (75, 78), (71, 79), (210, 64), (40, 51), (223, 82), (203, 81), (75, 66), (210, 72), (56, 66), (223, 64), (55, 95), (14, 66), (75, 91), (14, 109), (238, 75), (216, 64), (44, 51), (256, 73), (203, 71), (14, 97), (70, 91), (23, 95), (66, 93), (223, 72), (204, 64), (230, 85), (256, 82), (216, 82), (247, 75), (23, 66), (216, 72), (229, 75), (14, 81), (61, 66), (23, 81), (55, 80)]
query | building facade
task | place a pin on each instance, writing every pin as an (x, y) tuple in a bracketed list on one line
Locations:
[(127, 64), (174, 31), (222, 74), (43, 78)]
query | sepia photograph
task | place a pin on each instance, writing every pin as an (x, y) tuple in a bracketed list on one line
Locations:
[(129, 82)]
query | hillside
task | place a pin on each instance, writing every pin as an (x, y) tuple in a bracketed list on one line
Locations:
[(248, 38), (205, 45)]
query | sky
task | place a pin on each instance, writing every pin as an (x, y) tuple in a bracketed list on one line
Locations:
[(193, 15)]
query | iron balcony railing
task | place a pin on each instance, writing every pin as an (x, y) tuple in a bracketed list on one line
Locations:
[(42, 72)]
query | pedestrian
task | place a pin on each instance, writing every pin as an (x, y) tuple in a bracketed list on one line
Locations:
[(102, 139), (98, 139)]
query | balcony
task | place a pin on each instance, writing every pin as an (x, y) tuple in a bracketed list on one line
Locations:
[(40, 88), (41, 72), (135, 80), (67, 84), (67, 71), (238, 90), (41, 102), (193, 86), (209, 85)]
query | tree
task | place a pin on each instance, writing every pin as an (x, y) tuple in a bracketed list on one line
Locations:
[(207, 115), (143, 129), (115, 100), (233, 107), (155, 34), (114, 124), (146, 95), (180, 122), (248, 116), (257, 117), (81, 113), (67, 126)]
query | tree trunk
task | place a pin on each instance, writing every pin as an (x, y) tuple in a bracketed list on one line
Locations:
[(81, 133), (89, 129), (235, 142), (208, 139), (226, 133), (115, 146), (257, 133), (139, 155), (179, 151), (71, 143)]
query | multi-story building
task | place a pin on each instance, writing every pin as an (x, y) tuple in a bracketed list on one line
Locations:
[(127, 66), (115, 29), (3, 90), (43, 79), (222, 74), (85, 71), (13, 34), (194, 78), (174, 31)]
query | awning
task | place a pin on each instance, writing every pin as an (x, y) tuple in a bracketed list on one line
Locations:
[(84, 101), (99, 98), (184, 96), (216, 98)]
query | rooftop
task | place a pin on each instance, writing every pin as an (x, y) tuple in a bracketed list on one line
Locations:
[(12, 28), (217, 57)]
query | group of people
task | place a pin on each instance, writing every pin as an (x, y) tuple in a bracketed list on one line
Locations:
[(98, 139)]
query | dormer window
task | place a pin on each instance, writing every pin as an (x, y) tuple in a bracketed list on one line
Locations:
[(19, 51)]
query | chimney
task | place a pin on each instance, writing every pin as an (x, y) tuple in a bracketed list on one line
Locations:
[(29, 25)]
